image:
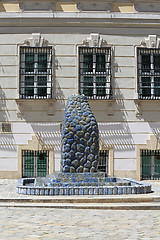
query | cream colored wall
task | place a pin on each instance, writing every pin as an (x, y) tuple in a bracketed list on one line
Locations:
[(123, 7), (66, 6), (9, 7), (121, 133)]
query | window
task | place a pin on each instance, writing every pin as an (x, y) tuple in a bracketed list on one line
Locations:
[(6, 128), (35, 163), (95, 72), (103, 161), (150, 164), (35, 72), (148, 73)]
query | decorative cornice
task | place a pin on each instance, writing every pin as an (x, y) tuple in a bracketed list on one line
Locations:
[(151, 42), (35, 41), (94, 40)]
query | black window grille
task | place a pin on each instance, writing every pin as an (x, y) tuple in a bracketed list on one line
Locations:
[(150, 164), (95, 72), (36, 72), (103, 161), (148, 73), (35, 163)]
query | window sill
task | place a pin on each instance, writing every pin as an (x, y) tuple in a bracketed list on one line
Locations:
[(22, 103), (139, 102), (109, 105)]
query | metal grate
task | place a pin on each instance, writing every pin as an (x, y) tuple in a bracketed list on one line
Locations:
[(150, 164), (35, 72), (6, 128), (148, 73), (35, 163), (95, 72), (103, 161)]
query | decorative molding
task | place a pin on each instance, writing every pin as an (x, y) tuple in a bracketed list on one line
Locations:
[(151, 42), (36, 41), (110, 107), (34, 6), (138, 108), (94, 6), (20, 111), (94, 40), (33, 103)]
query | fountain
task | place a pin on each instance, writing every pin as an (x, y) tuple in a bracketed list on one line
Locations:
[(79, 160)]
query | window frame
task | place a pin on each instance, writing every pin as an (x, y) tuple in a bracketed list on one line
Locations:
[(95, 74), (149, 73), (36, 51), (35, 163)]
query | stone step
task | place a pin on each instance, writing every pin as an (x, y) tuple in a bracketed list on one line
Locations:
[(82, 200), (100, 206)]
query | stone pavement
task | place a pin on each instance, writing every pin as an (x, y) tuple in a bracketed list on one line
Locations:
[(34, 223), (66, 224)]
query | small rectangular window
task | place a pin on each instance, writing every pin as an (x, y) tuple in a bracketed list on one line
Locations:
[(35, 163), (150, 164), (95, 72), (36, 72), (103, 161), (148, 70), (6, 128)]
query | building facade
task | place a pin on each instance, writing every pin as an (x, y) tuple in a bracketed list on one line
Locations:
[(109, 51)]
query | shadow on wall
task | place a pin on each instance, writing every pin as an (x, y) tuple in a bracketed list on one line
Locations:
[(116, 134), (7, 142), (155, 127), (49, 133)]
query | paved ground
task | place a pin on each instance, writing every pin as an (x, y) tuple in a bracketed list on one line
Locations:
[(47, 224), (80, 224)]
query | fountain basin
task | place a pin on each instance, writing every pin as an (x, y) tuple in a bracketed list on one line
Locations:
[(81, 184)]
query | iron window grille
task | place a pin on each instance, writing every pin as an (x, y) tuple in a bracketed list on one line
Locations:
[(148, 73), (150, 164), (6, 128), (35, 72), (103, 161), (35, 163), (95, 72)]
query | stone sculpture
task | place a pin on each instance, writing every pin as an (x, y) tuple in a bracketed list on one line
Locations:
[(80, 138)]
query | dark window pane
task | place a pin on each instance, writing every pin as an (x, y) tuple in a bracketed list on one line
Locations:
[(100, 86), (42, 62), (88, 86), (88, 63), (28, 159), (157, 86), (41, 163), (42, 81), (145, 64), (29, 62), (157, 64), (29, 86), (100, 63), (42, 86), (29, 81), (146, 86)]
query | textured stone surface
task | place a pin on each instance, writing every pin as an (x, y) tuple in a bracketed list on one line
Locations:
[(80, 138)]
